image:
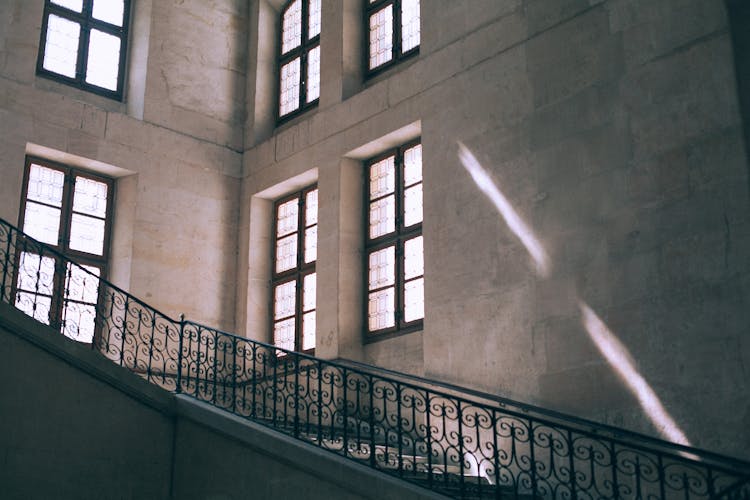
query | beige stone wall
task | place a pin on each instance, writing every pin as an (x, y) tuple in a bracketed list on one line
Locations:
[(612, 128), (175, 144)]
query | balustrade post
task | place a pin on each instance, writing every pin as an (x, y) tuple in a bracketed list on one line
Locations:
[(178, 389), (296, 395)]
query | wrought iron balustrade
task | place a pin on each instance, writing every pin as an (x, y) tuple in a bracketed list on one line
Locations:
[(452, 440)]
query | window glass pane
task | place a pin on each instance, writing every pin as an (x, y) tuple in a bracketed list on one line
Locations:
[(286, 217), (414, 300), (382, 177), (284, 299), (45, 185), (36, 273), (313, 74), (382, 216), (413, 258), (314, 24), (311, 244), (382, 268), (75, 5), (380, 309), (413, 165), (34, 305), (381, 37), (90, 197), (292, 27), (79, 321), (103, 64), (413, 205), (308, 292), (87, 234), (409, 24), (308, 331), (61, 46), (286, 253), (283, 334), (80, 285), (41, 222), (311, 208), (289, 93), (109, 11)]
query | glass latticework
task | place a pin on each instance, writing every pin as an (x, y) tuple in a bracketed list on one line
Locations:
[(294, 279), (392, 32), (299, 57), (395, 249)]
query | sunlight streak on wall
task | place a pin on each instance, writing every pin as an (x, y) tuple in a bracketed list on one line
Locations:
[(619, 357), (512, 219)]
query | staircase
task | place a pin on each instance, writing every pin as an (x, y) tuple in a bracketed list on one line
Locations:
[(451, 440)]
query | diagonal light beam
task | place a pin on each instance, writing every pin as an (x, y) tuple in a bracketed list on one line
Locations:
[(618, 356), (514, 221)]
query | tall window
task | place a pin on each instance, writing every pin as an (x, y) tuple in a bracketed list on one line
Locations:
[(299, 57), (394, 249), (393, 32), (294, 278), (70, 210), (83, 44)]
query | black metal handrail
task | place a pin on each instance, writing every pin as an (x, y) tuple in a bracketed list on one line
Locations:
[(453, 440)]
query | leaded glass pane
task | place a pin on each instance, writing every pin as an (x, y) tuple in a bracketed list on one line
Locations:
[(314, 24), (413, 258), (308, 331), (45, 185), (90, 197), (311, 244), (79, 321), (41, 222), (313, 74), (413, 165), (35, 306), (380, 309), (74, 5), (61, 46), (381, 36), (382, 268), (289, 92), (286, 253), (413, 205), (109, 11), (36, 273), (414, 300), (87, 234), (103, 63), (382, 177), (311, 207), (284, 299), (283, 334), (80, 285), (382, 216), (287, 216), (291, 36), (308, 292), (409, 24)]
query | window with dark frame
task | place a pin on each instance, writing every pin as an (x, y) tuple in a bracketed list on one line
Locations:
[(70, 210), (394, 254), (294, 279), (392, 31), (84, 44), (299, 57)]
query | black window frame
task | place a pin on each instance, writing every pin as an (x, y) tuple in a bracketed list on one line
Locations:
[(397, 238), (87, 22), (296, 273), (62, 247), (397, 56), (301, 51)]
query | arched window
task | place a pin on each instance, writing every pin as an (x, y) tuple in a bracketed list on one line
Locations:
[(393, 32), (299, 57)]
